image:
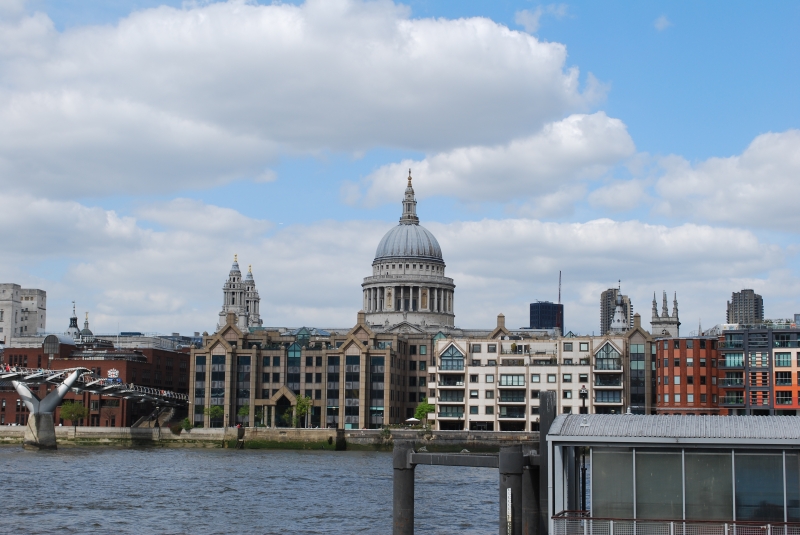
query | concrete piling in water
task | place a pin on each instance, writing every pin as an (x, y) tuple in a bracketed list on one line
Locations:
[(547, 413), (403, 491), (510, 465)]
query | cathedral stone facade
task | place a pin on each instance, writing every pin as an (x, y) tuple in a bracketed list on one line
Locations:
[(241, 298), (408, 282), (665, 324)]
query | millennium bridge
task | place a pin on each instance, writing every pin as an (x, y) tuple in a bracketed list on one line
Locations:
[(40, 430)]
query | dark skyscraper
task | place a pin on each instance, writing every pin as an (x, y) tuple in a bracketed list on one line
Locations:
[(547, 315), (745, 307)]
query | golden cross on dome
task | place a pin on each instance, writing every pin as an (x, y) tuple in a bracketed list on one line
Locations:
[(409, 177), (236, 258)]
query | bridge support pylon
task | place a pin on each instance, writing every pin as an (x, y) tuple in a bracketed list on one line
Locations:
[(40, 433)]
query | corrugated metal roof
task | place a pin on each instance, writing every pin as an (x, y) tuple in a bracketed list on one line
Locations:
[(628, 426)]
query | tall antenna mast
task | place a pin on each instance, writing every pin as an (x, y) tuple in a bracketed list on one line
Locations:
[(559, 286)]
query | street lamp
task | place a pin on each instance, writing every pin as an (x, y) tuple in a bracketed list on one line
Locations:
[(583, 394)]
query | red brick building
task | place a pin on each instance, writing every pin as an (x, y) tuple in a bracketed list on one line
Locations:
[(687, 376), (156, 368)]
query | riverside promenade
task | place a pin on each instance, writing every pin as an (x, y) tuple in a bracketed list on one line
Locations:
[(277, 438)]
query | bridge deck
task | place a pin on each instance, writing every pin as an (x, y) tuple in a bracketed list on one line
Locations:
[(90, 382)]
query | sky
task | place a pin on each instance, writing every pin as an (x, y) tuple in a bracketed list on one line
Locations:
[(651, 145)]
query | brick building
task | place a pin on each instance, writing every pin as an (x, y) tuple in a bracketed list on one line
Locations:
[(687, 375)]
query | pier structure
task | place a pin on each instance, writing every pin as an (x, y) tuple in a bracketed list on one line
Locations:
[(523, 493), (40, 429)]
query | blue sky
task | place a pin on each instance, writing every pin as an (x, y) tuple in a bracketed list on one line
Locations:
[(678, 94)]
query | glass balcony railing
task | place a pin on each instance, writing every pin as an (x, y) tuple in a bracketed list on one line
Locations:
[(608, 364), (451, 414), (728, 383), (732, 400)]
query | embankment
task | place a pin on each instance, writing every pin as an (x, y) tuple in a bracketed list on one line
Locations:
[(281, 438)]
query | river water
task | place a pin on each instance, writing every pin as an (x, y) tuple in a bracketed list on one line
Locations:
[(197, 491)]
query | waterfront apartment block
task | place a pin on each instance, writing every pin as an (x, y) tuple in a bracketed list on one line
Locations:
[(494, 383), (22, 311), (688, 375), (759, 366)]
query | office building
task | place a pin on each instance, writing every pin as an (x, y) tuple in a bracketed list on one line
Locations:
[(23, 311), (547, 315)]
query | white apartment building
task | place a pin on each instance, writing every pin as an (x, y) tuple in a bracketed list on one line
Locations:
[(23, 311), (494, 384)]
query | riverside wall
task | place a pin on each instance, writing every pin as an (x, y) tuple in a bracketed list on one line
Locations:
[(280, 438)]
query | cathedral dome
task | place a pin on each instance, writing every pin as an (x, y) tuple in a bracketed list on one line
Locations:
[(409, 240)]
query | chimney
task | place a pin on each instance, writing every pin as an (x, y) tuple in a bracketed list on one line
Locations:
[(637, 320), (197, 334), (501, 321), (230, 318), (361, 318)]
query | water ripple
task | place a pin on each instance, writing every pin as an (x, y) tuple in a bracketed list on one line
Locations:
[(199, 491)]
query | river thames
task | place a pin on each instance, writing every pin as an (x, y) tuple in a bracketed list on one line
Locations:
[(220, 491)]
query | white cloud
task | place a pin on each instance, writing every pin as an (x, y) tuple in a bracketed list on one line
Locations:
[(662, 23), (170, 279), (530, 20), (175, 98), (577, 148), (620, 195), (758, 188)]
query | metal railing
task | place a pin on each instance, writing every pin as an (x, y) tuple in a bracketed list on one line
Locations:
[(579, 523)]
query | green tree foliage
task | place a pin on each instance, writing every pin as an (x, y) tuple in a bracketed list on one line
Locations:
[(423, 409), (244, 410), (73, 412), (186, 424), (302, 408), (214, 412)]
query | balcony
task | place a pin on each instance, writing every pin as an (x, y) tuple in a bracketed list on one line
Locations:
[(729, 364), (512, 412), (545, 362), (451, 380), (451, 414), (730, 345), (612, 365), (731, 383), (608, 381), (733, 401)]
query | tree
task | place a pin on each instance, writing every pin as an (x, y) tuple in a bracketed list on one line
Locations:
[(423, 409), (421, 413), (186, 424), (73, 411), (259, 420), (215, 412), (302, 408)]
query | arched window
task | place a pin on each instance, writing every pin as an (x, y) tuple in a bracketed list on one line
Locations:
[(452, 359)]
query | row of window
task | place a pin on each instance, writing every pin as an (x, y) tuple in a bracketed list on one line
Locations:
[(690, 398), (689, 344)]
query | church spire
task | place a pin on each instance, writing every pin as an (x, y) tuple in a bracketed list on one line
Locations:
[(409, 216), (675, 305), (664, 309)]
